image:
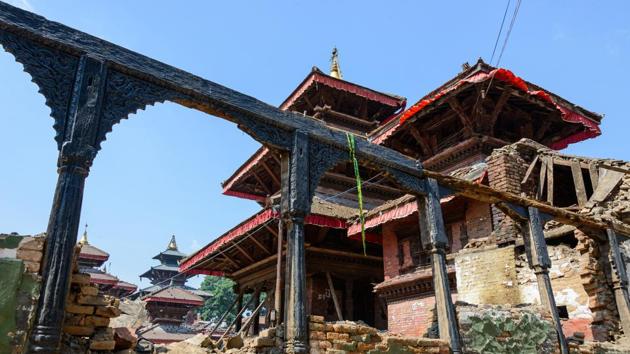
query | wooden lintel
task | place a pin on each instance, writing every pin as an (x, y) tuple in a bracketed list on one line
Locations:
[(273, 176), (343, 253)]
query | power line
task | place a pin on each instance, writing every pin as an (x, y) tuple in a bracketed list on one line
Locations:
[(496, 42)]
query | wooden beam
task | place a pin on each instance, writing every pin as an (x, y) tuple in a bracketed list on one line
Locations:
[(593, 173), (550, 187), (240, 249), (491, 196), (467, 122), (260, 181), (421, 139), (272, 231), (343, 253), (273, 176), (542, 130), (578, 181), (334, 296), (260, 245), (542, 178), (498, 107), (530, 169)]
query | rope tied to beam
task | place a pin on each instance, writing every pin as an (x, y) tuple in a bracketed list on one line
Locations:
[(355, 163)]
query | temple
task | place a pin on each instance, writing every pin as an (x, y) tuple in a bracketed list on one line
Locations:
[(363, 200), (453, 130), (91, 260), (169, 302)]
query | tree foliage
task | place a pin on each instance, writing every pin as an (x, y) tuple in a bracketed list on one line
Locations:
[(222, 296)]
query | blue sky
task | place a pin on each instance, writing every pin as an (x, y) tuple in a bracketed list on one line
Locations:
[(159, 172)]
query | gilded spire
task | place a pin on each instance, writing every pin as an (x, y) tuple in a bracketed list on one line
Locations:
[(335, 70), (172, 245), (84, 238)]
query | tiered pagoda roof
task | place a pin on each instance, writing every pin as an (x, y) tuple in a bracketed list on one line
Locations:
[(90, 259), (458, 124)]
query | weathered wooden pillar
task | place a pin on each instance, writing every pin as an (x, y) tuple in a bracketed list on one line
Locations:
[(284, 188), (256, 319), (75, 159), (539, 262), (432, 225), (239, 317), (620, 281), (296, 331)]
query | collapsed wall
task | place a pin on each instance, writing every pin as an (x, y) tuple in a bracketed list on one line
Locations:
[(20, 276)]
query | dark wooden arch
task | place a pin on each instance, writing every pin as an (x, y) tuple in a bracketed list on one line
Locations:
[(90, 85)]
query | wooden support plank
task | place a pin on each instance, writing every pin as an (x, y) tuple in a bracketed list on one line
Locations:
[(578, 181), (620, 281), (542, 178), (334, 296), (539, 261), (593, 173), (238, 319), (222, 318), (550, 187)]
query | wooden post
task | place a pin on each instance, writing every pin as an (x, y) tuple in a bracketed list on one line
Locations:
[(238, 321), (432, 222), (222, 318), (334, 296), (255, 316), (284, 175), (75, 160), (620, 281), (299, 200), (349, 303), (538, 258)]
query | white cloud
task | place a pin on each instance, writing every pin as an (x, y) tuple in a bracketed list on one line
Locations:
[(23, 4)]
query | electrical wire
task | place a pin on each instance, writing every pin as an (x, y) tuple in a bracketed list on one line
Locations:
[(496, 42)]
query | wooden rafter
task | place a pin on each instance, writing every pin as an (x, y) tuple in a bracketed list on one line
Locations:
[(421, 139), (260, 245), (243, 252), (273, 176), (466, 120), (498, 107), (260, 181)]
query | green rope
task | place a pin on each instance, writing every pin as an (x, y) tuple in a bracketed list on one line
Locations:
[(355, 163)]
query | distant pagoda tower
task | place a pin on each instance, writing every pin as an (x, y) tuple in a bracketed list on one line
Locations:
[(169, 300), (91, 259), (167, 272)]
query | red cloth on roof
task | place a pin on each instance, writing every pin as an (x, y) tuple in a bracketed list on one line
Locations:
[(568, 115)]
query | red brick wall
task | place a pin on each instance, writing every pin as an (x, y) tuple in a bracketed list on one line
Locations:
[(505, 173), (390, 252), (478, 220), (413, 316)]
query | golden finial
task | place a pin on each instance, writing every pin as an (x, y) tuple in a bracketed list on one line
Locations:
[(172, 245), (335, 70), (84, 239)]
